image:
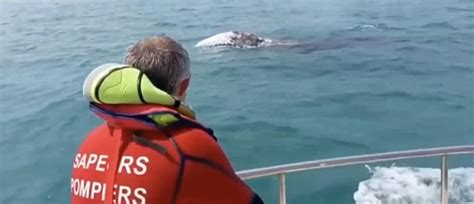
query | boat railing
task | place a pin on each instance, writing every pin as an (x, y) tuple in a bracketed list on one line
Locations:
[(281, 170)]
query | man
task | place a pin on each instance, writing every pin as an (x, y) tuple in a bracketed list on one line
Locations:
[(151, 149)]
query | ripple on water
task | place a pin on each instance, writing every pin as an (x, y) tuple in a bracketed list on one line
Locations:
[(203, 25), (414, 48), (86, 63), (341, 143), (361, 96), (397, 17), (296, 11), (462, 68), (439, 25), (380, 27), (266, 129), (187, 9), (164, 24), (458, 9)]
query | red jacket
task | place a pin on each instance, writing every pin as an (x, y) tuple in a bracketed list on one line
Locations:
[(129, 160)]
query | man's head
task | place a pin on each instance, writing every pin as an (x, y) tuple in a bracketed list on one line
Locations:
[(164, 61)]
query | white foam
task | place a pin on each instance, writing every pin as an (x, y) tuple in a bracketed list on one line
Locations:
[(414, 185), (372, 27), (363, 27), (270, 42)]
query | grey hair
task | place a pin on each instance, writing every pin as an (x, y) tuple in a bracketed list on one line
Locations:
[(161, 59)]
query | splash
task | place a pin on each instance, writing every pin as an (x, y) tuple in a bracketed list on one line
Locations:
[(372, 27), (414, 185)]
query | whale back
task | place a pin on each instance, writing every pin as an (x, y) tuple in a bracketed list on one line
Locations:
[(232, 39)]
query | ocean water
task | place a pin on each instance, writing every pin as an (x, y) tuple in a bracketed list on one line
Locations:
[(372, 76)]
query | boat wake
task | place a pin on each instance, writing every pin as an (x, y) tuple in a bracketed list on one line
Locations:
[(414, 185)]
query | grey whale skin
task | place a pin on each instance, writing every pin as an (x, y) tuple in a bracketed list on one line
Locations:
[(239, 39), (233, 39)]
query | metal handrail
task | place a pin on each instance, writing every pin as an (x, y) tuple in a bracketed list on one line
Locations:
[(281, 170)]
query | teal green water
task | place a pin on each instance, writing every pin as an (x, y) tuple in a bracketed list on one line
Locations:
[(411, 87)]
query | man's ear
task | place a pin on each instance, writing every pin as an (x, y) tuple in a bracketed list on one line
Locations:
[(183, 86)]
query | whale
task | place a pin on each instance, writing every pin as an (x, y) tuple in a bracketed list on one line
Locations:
[(238, 39)]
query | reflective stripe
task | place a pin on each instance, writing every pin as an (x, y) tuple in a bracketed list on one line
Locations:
[(147, 143), (139, 87)]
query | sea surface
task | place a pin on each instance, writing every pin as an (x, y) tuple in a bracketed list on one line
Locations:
[(402, 79)]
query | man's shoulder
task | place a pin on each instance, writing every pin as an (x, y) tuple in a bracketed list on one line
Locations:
[(200, 143), (196, 135)]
